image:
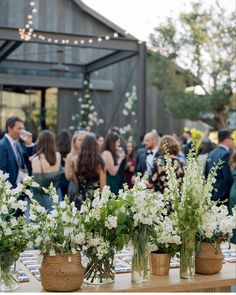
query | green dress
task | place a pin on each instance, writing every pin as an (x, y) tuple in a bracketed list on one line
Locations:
[(116, 182), (232, 202), (44, 180)]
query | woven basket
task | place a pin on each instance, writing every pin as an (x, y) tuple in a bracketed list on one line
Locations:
[(207, 262), (159, 264), (58, 274)]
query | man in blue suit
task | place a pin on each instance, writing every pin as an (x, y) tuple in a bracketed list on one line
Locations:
[(224, 178), (11, 152), (145, 156)]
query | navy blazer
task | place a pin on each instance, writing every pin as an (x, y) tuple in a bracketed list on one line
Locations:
[(224, 178), (140, 162), (8, 161)]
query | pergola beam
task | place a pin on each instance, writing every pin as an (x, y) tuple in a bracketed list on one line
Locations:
[(7, 48), (38, 65), (12, 34), (108, 60), (48, 82)]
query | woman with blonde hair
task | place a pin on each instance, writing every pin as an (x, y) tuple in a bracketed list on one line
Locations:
[(157, 178), (71, 161)]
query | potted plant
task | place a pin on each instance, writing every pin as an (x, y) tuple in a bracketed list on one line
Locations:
[(145, 208), (165, 243), (105, 223), (59, 236), (13, 231), (217, 226)]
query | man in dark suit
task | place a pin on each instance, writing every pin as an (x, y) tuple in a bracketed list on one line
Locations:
[(11, 152), (145, 156), (224, 178)]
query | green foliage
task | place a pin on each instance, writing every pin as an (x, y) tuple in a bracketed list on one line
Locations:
[(201, 41)]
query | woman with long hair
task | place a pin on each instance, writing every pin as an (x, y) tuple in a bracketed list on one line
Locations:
[(89, 171), (46, 167), (72, 157), (114, 159), (158, 176)]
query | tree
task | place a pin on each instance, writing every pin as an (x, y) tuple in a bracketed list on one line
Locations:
[(195, 63)]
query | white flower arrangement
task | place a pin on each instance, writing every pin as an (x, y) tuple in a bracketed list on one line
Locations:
[(104, 221), (60, 231), (190, 202), (13, 231), (165, 237), (217, 225), (145, 208)]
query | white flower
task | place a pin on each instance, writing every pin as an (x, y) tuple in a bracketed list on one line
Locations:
[(79, 238), (68, 231), (14, 221), (29, 193), (52, 252), (37, 241), (8, 231), (35, 184), (32, 216), (111, 222), (30, 244), (63, 205), (4, 209), (55, 198), (40, 209)]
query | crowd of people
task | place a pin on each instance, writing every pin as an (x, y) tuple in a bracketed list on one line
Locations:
[(80, 163)]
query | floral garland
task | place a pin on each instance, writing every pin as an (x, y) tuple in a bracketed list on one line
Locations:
[(88, 117), (130, 109)]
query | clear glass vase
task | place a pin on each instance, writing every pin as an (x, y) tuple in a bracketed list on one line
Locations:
[(9, 280), (100, 271), (140, 256), (187, 255)]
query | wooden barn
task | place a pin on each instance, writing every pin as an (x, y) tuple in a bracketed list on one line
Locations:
[(43, 78)]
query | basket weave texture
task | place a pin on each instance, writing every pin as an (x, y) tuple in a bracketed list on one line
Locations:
[(207, 262), (58, 274), (159, 264)]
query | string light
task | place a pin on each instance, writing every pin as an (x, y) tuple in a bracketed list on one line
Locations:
[(27, 34)]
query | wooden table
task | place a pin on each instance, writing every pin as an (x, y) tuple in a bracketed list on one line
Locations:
[(220, 282)]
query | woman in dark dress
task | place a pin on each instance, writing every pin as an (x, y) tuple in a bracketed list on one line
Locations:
[(89, 171), (114, 159)]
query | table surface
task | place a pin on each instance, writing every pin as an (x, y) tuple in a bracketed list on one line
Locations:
[(172, 283)]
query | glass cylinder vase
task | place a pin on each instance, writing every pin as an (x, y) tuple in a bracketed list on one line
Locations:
[(100, 271), (187, 255), (140, 256), (8, 273)]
